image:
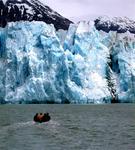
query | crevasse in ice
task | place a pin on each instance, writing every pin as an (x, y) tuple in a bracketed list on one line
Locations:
[(122, 51), (40, 64)]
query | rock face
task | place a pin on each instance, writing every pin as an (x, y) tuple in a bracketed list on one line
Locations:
[(121, 25), (81, 65), (29, 10)]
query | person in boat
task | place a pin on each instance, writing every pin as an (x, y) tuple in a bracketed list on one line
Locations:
[(46, 117), (35, 117), (39, 117)]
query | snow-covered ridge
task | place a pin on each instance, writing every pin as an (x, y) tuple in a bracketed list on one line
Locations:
[(119, 24), (29, 10)]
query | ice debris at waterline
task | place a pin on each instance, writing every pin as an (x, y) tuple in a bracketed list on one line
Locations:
[(81, 65)]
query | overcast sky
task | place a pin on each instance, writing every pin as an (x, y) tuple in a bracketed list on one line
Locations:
[(77, 10)]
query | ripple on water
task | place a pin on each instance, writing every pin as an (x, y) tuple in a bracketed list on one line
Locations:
[(72, 127), (17, 125)]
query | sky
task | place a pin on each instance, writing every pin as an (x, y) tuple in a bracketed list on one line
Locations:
[(77, 10)]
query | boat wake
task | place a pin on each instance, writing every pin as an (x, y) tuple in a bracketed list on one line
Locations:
[(51, 124), (17, 125)]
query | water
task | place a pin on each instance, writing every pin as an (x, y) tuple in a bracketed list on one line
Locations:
[(73, 127)]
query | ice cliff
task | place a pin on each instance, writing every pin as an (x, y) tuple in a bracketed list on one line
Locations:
[(81, 65)]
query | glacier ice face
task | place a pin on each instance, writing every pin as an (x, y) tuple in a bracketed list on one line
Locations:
[(38, 67), (35, 61), (122, 51), (40, 64), (124, 56), (89, 56)]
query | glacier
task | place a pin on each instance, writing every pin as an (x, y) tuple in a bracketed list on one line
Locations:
[(81, 65)]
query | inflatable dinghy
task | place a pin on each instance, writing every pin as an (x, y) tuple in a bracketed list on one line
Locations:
[(40, 117)]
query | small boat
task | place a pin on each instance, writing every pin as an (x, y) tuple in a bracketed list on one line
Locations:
[(40, 117)]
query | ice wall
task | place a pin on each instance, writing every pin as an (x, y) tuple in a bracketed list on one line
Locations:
[(40, 64), (122, 52)]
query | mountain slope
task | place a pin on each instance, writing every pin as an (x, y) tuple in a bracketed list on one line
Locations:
[(16, 10), (119, 24)]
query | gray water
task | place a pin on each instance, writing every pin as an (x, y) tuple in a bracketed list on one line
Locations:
[(73, 127)]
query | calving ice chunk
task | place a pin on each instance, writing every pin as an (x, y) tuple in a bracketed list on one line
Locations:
[(80, 65)]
